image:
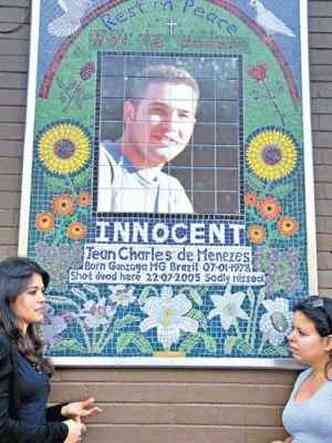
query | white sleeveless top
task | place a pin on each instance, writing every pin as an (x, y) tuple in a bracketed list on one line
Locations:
[(310, 421)]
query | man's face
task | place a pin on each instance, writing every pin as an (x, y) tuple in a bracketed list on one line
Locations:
[(159, 126)]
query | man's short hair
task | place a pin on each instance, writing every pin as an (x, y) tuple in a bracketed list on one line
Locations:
[(136, 86)]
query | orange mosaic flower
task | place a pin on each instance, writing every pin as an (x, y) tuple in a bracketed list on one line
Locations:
[(45, 222), (269, 208), (76, 231), (63, 205), (256, 234), (84, 199), (250, 199), (288, 226)]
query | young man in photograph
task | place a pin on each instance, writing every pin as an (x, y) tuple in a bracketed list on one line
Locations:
[(159, 118)]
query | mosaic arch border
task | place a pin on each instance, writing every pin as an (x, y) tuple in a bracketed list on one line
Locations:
[(42, 89)]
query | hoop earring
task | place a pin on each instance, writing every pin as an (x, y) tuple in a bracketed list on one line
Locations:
[(327, 366)]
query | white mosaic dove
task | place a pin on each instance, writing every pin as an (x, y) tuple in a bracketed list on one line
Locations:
[(268, 21), (70, 21)]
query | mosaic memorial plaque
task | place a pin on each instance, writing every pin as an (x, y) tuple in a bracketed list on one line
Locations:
[(167, 182)]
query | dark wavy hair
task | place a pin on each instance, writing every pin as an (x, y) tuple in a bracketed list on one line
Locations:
[(137, 86), (319, 311), (15, 275)]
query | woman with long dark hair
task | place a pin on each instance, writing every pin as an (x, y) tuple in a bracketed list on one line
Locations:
[(307, 415), (24, 371)]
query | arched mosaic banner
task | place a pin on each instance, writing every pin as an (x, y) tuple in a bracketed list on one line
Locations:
[(167, 182)]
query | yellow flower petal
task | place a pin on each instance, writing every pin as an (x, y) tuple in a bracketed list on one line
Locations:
[(272, 154), (64, 148)]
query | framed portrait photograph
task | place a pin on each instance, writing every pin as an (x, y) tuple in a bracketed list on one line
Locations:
[(200, 125)]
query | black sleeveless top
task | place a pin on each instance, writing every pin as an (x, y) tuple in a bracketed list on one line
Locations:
[(23, 400), (33, 386)]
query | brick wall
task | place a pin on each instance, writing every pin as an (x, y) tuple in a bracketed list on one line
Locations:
[(14, 50), (320, 42), (182, 405)]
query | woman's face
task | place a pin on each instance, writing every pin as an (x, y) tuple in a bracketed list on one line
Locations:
[(305, 343), (29, 304)]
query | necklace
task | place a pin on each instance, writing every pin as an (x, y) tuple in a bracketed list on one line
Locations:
[(36, 367)]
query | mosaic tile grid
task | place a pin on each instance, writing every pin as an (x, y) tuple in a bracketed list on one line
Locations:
[(209, 169), (219, 282)]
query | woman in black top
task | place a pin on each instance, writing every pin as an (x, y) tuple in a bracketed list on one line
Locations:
[(24, 372)]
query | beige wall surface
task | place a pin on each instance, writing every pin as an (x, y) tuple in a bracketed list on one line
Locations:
[(170, 405)]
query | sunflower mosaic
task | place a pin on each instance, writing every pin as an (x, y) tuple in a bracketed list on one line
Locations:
[(272, 154), (64, 148)]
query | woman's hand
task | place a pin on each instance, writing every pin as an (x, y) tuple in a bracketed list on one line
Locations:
[(76, 430), (80, 409)]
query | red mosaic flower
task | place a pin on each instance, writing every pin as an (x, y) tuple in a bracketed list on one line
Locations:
[(250, 199), (269, 208), (87, 70), (258, 72)]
